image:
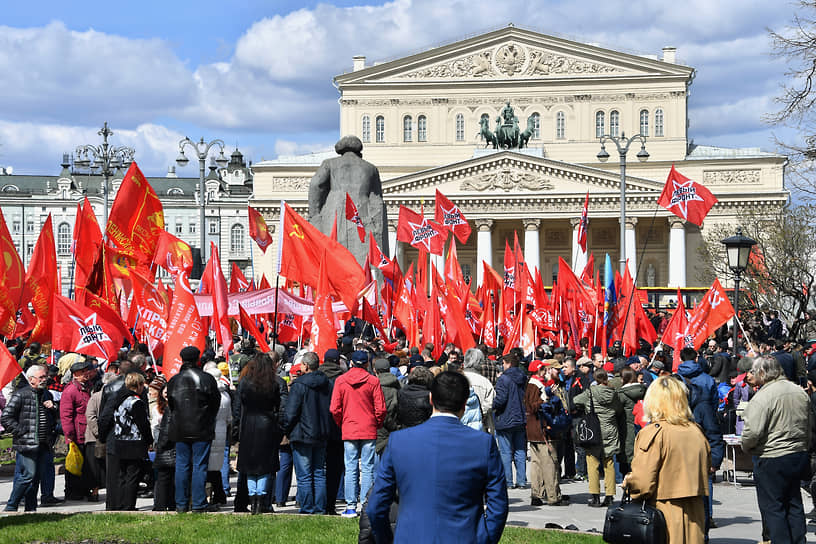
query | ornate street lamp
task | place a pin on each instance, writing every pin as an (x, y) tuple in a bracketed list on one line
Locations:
[(201, 149), (106, 157), (623, 143), (738, 248)]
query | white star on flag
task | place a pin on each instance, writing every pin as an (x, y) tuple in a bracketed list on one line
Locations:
[(90, 334), (682, 194)]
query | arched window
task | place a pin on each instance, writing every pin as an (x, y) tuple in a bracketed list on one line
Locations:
[(536, 125), (237, 238), (659, 122), (380, 128), (422, 129), (614, 122), (407, 128), (64, 239), (600, 124), (560, 126), (644, 123), (460, 127), (366, 128)]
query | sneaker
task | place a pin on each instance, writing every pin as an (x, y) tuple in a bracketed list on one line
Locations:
[(349, 513), (50, 501)]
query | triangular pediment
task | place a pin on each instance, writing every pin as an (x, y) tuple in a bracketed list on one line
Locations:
[(518, 175), (513, 54)]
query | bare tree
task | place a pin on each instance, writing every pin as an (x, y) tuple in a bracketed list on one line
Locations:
[(782, 271)]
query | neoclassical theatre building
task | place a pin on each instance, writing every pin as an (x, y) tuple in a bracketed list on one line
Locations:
[(420, 118)]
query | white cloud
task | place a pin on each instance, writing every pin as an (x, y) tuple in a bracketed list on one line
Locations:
[(287, 147)]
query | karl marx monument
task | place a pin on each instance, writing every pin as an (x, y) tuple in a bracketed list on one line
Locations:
[(349, 173)]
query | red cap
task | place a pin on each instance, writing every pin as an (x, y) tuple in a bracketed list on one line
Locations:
[(535, 365), (609, 367)]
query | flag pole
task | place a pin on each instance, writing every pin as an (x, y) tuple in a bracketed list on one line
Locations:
[(277, 276)]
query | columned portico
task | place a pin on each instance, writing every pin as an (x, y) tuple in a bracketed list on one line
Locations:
[(531, 243), (579, 257), (677, 252), (484, 246), (631, 245)]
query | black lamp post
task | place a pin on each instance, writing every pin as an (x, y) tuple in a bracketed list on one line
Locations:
[(738, 248)]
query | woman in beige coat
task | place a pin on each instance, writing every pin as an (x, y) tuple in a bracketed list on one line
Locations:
[(671, 462)]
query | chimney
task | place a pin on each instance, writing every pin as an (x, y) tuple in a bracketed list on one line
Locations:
[(171, 172), (670, 54), (359, 62)]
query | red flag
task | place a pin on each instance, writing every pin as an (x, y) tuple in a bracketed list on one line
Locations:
[(390, 269), (354, 217), (9, 368), (419, 232), (509, 267), (686, 198), (184, 327), (43, 281), (676, 330), (432, 326), (152, 306), (324, 331), (79, 329), (136, 218), (238, 282), (289, 326), (450, 216), (221, 322), (173, 254), (103, 309), (86, 244), (714, 310), (258, 230), (489, 333), (582, 226), (248, 324), (302, 251), (12, 281)]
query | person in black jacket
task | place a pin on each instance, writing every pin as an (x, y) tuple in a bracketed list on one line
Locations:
[(306, 423), (193, 399), (165, 461), (132, 436), (334, 444), (30, 415), (414, 399)]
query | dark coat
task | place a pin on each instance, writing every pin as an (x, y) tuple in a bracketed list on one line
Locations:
[(306, 415), (703, 401), (193, 399), (721, 365), (131, 443), (165, 449), (414, 405), (332, 370), (21, 417), (390, 387), (629, 395), (509, 402), (259, 434), (106, 408)]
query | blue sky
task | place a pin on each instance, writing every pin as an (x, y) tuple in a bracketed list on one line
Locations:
[(258, 74)]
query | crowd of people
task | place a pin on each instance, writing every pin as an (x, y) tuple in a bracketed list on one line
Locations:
[(350, 421)]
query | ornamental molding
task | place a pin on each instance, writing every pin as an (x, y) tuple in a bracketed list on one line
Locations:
[(507, 180), (731, 177), (511, 59), (291, 184)]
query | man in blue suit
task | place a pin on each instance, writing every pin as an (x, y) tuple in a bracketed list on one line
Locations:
[(449, 477)]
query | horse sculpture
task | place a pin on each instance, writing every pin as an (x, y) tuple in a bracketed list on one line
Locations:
[(507, 133), (528, 133), (485, 133)]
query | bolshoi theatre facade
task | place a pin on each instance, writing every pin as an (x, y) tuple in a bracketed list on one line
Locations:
[(420, 119)]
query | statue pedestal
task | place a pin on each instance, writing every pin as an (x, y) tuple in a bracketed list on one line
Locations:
[(529, 151)]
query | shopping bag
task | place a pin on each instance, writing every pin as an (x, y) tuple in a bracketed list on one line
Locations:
[(73, 461)]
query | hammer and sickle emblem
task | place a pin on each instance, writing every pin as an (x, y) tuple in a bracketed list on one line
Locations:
[(297, 232), (716, 299)]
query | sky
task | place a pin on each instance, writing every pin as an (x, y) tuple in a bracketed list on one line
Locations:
[(258, 75)]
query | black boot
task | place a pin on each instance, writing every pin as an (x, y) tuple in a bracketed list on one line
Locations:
[(255, 502), (607, 501), (595, 501)]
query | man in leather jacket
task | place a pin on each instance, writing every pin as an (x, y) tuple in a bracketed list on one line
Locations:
[(193, 400)]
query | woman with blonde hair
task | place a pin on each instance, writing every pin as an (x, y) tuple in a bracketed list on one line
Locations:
[(671, 461)]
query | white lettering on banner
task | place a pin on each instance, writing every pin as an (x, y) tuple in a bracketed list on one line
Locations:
[(90, 333), (263, 302)]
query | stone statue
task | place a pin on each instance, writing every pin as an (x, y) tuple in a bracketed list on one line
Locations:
[(349, 173), (650, 275), (507, 114)]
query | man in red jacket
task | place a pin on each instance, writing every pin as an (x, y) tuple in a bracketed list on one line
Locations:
[(358, 407)]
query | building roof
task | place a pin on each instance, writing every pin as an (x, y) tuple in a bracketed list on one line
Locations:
[(704, 152), (307, 159)]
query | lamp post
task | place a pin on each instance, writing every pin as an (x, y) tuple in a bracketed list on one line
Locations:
[(201, 149), (106, 157), (623, 143), (738, 249)]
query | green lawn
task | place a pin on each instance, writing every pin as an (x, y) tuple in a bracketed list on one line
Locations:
[(215, 529)]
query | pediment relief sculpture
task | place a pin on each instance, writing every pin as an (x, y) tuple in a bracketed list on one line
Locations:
[(506, 180)]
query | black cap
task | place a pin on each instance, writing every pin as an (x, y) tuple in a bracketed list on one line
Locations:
[(331, 355), (381, 365), (190, 354), (79, 366)]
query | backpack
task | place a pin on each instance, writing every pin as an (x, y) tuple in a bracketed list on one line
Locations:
[(556, 417)]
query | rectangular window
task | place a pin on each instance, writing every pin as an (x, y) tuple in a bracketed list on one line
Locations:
[(614, 123), (179, 229), (659, 122), (16, 226), (213, 227), (560, 126), (366, 129), (422, 129), (193, 228), (460, 127), (380, 128), (407, 129)]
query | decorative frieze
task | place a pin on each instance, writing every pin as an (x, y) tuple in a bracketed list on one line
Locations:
[(291, 184), (731, 177), (507, 180)]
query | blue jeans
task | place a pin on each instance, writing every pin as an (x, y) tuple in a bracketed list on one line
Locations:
[(310, 469), (354, 452), (283, 479), (27, 472), (191, 465), (47, 476), (513, 450), (225, 471), (256, 484)]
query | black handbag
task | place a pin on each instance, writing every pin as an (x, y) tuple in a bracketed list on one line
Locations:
[(634, 523), (588, 429)]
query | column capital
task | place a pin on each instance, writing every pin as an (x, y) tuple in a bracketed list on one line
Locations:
[(531, 224), (392, 224), (484, 225), (677, 222), (271, 227), (630, 222), (575, 221)]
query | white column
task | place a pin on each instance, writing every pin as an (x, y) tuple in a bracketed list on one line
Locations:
[(677, 252), (484, 246), (631, 245), (579, 257), (531, 244), (394, 246)]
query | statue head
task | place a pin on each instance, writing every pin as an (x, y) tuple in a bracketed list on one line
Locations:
[(349, 143)]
